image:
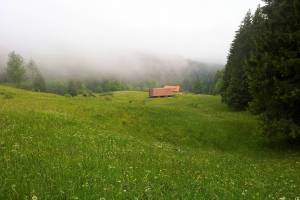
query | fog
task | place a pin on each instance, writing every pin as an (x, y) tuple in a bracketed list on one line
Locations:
[(119, 36)]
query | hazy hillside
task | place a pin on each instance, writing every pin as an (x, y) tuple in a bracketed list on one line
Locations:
[(131, 66), (138, 71)]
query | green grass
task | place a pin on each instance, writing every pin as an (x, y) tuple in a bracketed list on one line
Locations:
[(124, 145)]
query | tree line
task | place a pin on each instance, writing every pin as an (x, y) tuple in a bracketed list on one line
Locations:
[(262, 73), (196, 77), (26, 75), (21, 74), (200, 78)]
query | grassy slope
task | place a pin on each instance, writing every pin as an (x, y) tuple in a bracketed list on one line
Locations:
[(126, 146)]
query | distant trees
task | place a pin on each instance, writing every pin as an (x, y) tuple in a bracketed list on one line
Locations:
[(73, 87), (113, 85), (37, 80), (23, 75), (264, 68), (218, 82), (195, 77), (199, 78), (3, 77), (15, 68), (106, 85), (57, 87)]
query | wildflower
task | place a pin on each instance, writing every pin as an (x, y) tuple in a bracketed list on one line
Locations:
[(13, 186), (147, 189), (85, 184)]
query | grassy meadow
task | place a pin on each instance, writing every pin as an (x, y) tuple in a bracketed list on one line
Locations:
[(123, 145)]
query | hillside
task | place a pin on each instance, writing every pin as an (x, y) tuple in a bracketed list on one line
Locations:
[(123, 145)]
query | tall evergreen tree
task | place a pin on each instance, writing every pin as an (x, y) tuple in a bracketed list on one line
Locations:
[(235, 90), (274, 68)]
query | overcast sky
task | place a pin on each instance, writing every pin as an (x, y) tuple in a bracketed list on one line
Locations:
[(197, 29)]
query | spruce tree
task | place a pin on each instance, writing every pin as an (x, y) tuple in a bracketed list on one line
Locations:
[(235, 90), (274, 67)]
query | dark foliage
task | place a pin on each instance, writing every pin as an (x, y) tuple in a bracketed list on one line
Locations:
[(199, 78), (274, 68), (235, 91), (263, 68)]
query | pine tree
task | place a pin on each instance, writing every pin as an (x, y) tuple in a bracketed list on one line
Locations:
[(235, 90), (274, 67)]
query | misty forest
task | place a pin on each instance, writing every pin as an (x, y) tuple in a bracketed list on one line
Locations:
[(138, 123), (193, 76)]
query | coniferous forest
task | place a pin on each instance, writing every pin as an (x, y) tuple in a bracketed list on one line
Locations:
[(262, 73)]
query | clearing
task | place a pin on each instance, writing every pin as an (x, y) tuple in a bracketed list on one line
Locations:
[(123, 145)]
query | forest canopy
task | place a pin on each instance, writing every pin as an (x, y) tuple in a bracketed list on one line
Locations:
[(262, 73)]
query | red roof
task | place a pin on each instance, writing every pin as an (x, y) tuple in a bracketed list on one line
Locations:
[(174, 88), (160, 92)]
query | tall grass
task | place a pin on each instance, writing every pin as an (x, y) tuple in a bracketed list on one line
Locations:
[(125, 146)]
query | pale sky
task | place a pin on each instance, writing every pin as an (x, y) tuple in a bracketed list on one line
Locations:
[(195, 29)]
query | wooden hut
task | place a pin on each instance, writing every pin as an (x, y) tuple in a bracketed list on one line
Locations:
[(173, 88), (160, 92)]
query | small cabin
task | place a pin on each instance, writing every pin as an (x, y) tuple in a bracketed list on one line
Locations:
[(166, 91), (173, 88), (160, 92)]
